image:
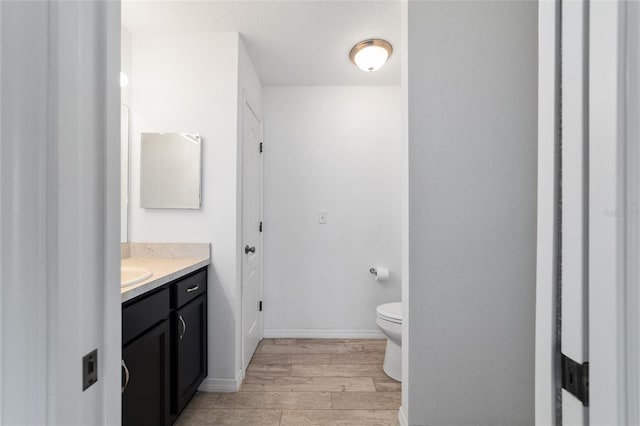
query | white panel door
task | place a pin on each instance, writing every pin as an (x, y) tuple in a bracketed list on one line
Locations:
[(251, 236), (599, 204), (574, 205), (59, 223)]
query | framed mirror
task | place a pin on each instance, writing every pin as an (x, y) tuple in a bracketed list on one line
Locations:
[(170, 171)]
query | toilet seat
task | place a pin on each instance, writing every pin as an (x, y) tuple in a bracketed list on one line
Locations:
[(391, 312)]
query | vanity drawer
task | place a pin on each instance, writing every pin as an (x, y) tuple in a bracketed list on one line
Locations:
[(189, 288), (141, 315)]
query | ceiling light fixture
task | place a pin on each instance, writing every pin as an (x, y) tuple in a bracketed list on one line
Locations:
[(370, 55)]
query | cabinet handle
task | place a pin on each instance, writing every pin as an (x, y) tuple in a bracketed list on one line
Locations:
[(126, 376), (184, 326), (194, 288)]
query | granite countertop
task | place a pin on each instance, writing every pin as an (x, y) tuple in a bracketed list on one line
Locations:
[(167, 262)]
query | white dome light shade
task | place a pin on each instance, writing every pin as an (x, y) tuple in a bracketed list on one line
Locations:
[(124, 80), (370, 55)]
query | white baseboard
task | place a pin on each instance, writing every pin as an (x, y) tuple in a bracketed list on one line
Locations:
[(402, 417), (221, 385), (277, 333)]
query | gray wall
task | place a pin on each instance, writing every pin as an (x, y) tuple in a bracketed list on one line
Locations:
[(472, 88)]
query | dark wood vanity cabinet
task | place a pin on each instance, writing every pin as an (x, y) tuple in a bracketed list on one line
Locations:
[(189, 351), (164, 354), (145, 398)]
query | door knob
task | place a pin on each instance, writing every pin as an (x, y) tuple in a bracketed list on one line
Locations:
[(248, 250)]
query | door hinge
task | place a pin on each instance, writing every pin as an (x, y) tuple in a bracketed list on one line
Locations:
[(260, 146), (575, 378), (260, 306), (260, 226)]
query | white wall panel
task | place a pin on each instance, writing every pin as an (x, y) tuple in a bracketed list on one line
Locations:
[(333, 149), (191, 83)]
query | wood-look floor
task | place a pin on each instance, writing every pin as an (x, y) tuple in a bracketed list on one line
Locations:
[(305, 382)]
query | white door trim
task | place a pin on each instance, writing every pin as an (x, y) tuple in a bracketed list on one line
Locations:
[(546, 268), (574, 217), (607, 205), (633, 211)]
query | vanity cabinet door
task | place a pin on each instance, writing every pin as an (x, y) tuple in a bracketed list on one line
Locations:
[(146, 390), (190, 349)]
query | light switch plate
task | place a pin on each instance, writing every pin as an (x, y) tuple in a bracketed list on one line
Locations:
[(322, 218)]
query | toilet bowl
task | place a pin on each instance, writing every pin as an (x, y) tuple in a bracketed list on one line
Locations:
[(389, 320)]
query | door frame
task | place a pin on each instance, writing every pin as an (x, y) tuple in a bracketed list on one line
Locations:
[(546, 366), (613, 325), (60, 220), (246, 100), (608, 283), (632, 132)]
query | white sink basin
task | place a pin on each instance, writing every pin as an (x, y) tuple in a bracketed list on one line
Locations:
[(130, 275)]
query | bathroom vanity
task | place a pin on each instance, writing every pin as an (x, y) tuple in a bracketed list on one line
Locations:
[(164, 338)]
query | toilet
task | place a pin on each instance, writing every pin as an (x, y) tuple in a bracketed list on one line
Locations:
[(389, 320)]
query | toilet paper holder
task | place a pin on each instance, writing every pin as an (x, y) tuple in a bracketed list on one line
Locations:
[(379, 273)]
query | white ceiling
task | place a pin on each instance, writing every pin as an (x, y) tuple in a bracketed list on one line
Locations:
[(291, 43)]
